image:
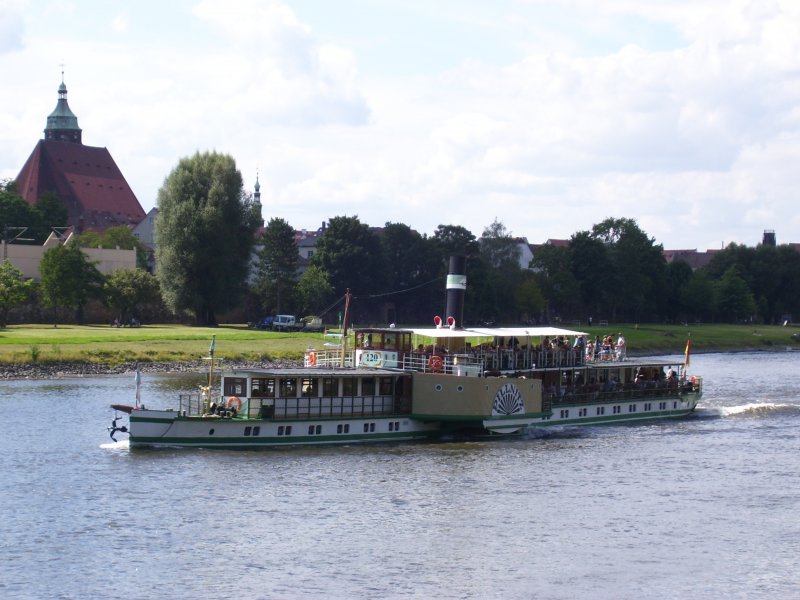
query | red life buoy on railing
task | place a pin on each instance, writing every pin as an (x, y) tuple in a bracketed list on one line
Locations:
[(435, 363), (312, 359), (235, 400)]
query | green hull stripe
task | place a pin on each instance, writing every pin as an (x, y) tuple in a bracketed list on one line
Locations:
[(282, 440)]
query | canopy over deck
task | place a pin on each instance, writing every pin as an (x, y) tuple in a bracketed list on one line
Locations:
[(493, 332)]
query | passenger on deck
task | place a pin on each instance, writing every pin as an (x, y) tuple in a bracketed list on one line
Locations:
[(621, 354)]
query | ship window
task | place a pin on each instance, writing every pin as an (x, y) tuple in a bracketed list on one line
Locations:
[(564, 413), (347, 427), (601, 410), (648, 407), (674, 405), (391, 426), (372, 427), (368, 386), (288, 387), (310, 430), (438, 387), (339, 428), (460, 388), (366, 427), (256, 430), (330, 387), (263, 387), (247, 430), (319, 429), (280, 429), (348, 386), (385, 386), (211, 431), (308, 387), (631, 408), (235, 386)]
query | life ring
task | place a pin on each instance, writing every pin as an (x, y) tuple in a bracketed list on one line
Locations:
[(235, 400), (312, 359), (435, 363)]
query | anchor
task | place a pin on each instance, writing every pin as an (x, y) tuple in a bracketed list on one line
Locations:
[(114, 429)]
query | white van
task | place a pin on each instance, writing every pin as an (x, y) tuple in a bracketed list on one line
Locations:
[(284, 323)]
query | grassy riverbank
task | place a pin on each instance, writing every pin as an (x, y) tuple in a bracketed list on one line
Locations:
[(96, 344)]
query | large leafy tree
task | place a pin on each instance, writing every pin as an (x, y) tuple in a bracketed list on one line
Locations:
[(637, 280), (734, 299), (68, 280), (350, 253), (559, 286), (499, 275), (313, 290), (204, 236), (678, 274), (14, 289), (130, 290), (413, 273), (276, 272), (594, 272)]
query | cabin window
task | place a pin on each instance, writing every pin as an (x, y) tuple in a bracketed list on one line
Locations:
[(308, 387), (617, 409), (256, 430), (631, 408), (394, 425), (648, 407), (348, 386), (330, 387), (369, 427), (343, 428), (263, 387), (368, 386), (247, 431), (288, 387), (390, 341), (235, 386), (385, 386), (601, 410), (565, 413)]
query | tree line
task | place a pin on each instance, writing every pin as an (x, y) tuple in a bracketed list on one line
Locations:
[(210, 262)]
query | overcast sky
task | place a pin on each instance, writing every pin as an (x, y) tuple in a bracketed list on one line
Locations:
[(547, 115)]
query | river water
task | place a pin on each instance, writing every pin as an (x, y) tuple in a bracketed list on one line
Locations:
[(705, 507)]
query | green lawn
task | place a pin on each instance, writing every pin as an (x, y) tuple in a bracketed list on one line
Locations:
[(149, 343), (21, 344)]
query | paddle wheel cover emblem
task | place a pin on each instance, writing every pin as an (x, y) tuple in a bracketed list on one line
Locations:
[(508, 401)]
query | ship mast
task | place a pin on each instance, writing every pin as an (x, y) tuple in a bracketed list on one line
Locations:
[(345, 324)]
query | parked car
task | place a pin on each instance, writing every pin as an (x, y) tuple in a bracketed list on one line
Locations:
[(264, 322)]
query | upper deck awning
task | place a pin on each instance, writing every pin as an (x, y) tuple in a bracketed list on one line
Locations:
[(494, 332)]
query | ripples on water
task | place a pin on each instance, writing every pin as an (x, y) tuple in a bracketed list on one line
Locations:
[(699, 508)]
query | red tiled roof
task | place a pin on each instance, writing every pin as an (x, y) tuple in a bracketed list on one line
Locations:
[(86, 180)]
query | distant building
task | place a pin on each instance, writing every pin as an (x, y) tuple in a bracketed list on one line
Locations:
[(84, 178)]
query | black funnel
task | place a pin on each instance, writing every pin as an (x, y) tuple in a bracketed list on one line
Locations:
[(456, 288)]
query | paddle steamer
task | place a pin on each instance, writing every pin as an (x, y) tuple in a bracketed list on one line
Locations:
[(443, 382)]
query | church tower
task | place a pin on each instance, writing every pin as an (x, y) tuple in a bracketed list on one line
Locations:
[(85, 179), (62, 124), (257, 201)]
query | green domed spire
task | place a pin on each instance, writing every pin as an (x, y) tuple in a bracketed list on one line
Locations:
[(62, 124)]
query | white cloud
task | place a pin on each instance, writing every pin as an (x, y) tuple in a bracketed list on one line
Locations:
[(682, 114)]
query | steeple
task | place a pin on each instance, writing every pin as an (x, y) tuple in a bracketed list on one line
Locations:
[(257, 201), (62, 124)]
